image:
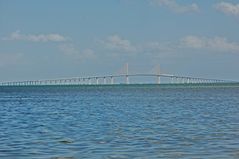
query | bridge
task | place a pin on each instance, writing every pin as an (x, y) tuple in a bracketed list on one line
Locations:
[(112, 80)]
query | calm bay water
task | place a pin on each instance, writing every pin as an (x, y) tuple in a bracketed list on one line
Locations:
[(144, 121)]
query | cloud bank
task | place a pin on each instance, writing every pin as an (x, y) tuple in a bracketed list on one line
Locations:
[(174, 6), (215, 43), (212, 44), (35, 37), (228, 8), (115, 42)]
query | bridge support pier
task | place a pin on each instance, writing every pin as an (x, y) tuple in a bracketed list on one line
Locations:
[(97, 81), (112, 80), (104, 80), (89, 81), (158, 79), (172, 79), (127, 79)]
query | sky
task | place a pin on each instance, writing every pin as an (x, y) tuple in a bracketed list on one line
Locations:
[(58, 38)]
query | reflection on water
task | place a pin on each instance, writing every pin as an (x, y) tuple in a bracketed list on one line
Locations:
[(119, 122)]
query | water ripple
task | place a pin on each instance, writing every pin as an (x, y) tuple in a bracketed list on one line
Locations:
[(119, 122)]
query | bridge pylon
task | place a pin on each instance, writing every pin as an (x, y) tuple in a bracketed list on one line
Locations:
[(127, 73), (158, 74)]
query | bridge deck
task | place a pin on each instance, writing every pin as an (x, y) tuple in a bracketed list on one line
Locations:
[(95, 80)]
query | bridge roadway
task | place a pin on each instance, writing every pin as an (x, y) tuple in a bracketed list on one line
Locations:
[(110, 79)]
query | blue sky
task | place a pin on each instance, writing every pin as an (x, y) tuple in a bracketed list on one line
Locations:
[(53, 39)]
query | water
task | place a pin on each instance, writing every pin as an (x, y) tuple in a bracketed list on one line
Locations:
[(119, 122)]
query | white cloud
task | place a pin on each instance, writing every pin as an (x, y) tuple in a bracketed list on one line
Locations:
[(217, 43), (115, 42), (160, 46), (194, 42), (228, 8), (174, 6), (71, 51), (35, 37)]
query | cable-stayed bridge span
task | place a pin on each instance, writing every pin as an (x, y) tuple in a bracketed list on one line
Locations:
[(120, 78), (117, 79)]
